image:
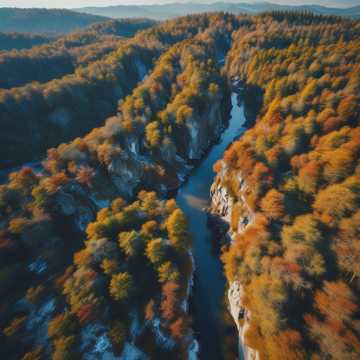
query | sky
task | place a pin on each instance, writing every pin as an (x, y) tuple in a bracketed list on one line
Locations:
[(69, 3), (81, 3)]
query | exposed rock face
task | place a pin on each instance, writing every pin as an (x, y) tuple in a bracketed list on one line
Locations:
[(141, 69), (204, 130), (222, 206), (73, 201), (222, 202), (132, 144), (238, 312), (168, 151), (126, 172)]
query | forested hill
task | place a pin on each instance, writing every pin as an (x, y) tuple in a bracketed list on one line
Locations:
[(67, 69), (95, 257), (17, 41), (44, 21), (64, 54), (161, 12), (290, 190), (122, 286)]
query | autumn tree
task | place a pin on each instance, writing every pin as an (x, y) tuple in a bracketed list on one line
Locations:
[(156, 250), (176, 226), (273, 205), (121, 286)]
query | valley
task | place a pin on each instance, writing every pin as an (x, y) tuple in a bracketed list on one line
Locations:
[(182, 189), (209, 282)]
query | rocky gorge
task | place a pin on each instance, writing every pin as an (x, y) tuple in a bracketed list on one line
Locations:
[(220, 216)]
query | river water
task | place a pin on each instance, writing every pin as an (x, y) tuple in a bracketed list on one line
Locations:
[(209, 281)]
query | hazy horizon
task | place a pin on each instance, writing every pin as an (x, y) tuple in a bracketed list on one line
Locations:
[(84, 3)]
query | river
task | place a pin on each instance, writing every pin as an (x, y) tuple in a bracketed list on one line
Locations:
[(209, 281)]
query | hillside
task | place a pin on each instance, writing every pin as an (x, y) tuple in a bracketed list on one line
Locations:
[(289, 192), (19, 41), (44, 21), (252, 122), (64, 54), (161, 12), (97, 63), (98, 287)]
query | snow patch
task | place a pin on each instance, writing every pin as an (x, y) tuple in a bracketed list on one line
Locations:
[(161, 338), (39, 266), (38, 320), (102, 344), (96, 344)]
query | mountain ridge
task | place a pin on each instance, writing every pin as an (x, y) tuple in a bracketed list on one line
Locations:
[(56, 21), (167, 11)]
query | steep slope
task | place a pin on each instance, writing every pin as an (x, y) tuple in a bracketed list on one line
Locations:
[(168, 121), (95, 264), (38, 116), (289, 190), (66, 54)]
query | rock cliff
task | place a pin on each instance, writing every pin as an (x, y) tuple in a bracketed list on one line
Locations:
[(222, 205)]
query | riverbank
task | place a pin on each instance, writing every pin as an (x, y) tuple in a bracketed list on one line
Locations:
[(209, 281)]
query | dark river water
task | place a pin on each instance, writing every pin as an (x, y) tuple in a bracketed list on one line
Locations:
[(209, 284)]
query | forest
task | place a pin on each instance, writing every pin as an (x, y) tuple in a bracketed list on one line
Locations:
[(295, 177), (18, 41), (96, 256)]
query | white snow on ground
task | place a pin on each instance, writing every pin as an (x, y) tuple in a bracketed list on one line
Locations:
[(38, 320), (161, 338), (90, 334), (95, 343), (102, 344), (38, 266)]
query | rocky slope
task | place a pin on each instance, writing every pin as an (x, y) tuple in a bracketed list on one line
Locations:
[(222, 208), (227, 222), (127, 171)]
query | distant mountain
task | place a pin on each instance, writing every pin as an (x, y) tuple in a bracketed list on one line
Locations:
[(171, 10), (121, 27), (44, 21)]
